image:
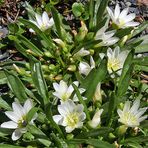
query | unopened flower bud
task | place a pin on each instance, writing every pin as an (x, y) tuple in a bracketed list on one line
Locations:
[(48, 54), (27, 65), (52, 66), (96, 120), (91, 52), (60, 42), (21, 71), (31, 52), (71, 68), (58, 77), (121, 130), (112, 136), (69, 136), (45, 67)]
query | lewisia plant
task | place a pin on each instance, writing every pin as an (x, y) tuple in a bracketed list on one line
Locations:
[(81, 79)]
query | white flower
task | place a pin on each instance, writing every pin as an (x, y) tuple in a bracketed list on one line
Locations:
[(96, 120), (85, 68), (71, 115), (18, 118), (98, 93), (116, 59), (106, 37), (64, 92), (81, 53), (121, 19), (42, 22), (131, 117)]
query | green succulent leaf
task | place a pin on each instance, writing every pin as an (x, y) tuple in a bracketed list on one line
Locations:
[(38, 79), (16, 86), (98, 75), (77, 9), (94, 142)]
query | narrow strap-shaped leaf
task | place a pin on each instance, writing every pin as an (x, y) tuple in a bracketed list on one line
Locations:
[(81, 101), (101, 10), (36, 131), (127, 63), (103, 131), (9, 146), (141, 61), (31, 114), (48, 111), (141, 48), (94, 142), (140, 28), (124, 82), (30, 45), (20, 48), (57, 21), (17, 86), (94, 77), (4, 104), (38, 80), (91, 14)]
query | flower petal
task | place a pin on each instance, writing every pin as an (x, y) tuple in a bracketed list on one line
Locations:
[(18, 109), (13, 116), (126, 106), (130, 17), (69, 129), (135, 106), (16, 134), (123, 13), (39, 20), (117, 11), (132, 24), (45, 18), (9, 124), (51, 22), (84, 68), (110, 14), (56, 86), (58, 119), (28, 105)]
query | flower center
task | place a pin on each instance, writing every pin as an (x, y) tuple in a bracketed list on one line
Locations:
[(129, 118), (121, 22), (65, 96), (22, 122), (72, 119), (43, 27), (113, 64)]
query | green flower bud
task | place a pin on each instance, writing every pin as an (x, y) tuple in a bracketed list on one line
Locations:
[(121, 130), (48, 54), (58, 77), (45, 67), (21, 71), (27, 65), (112, 136), (52, 66), (71, 68), (69, 136), (91, 52)]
